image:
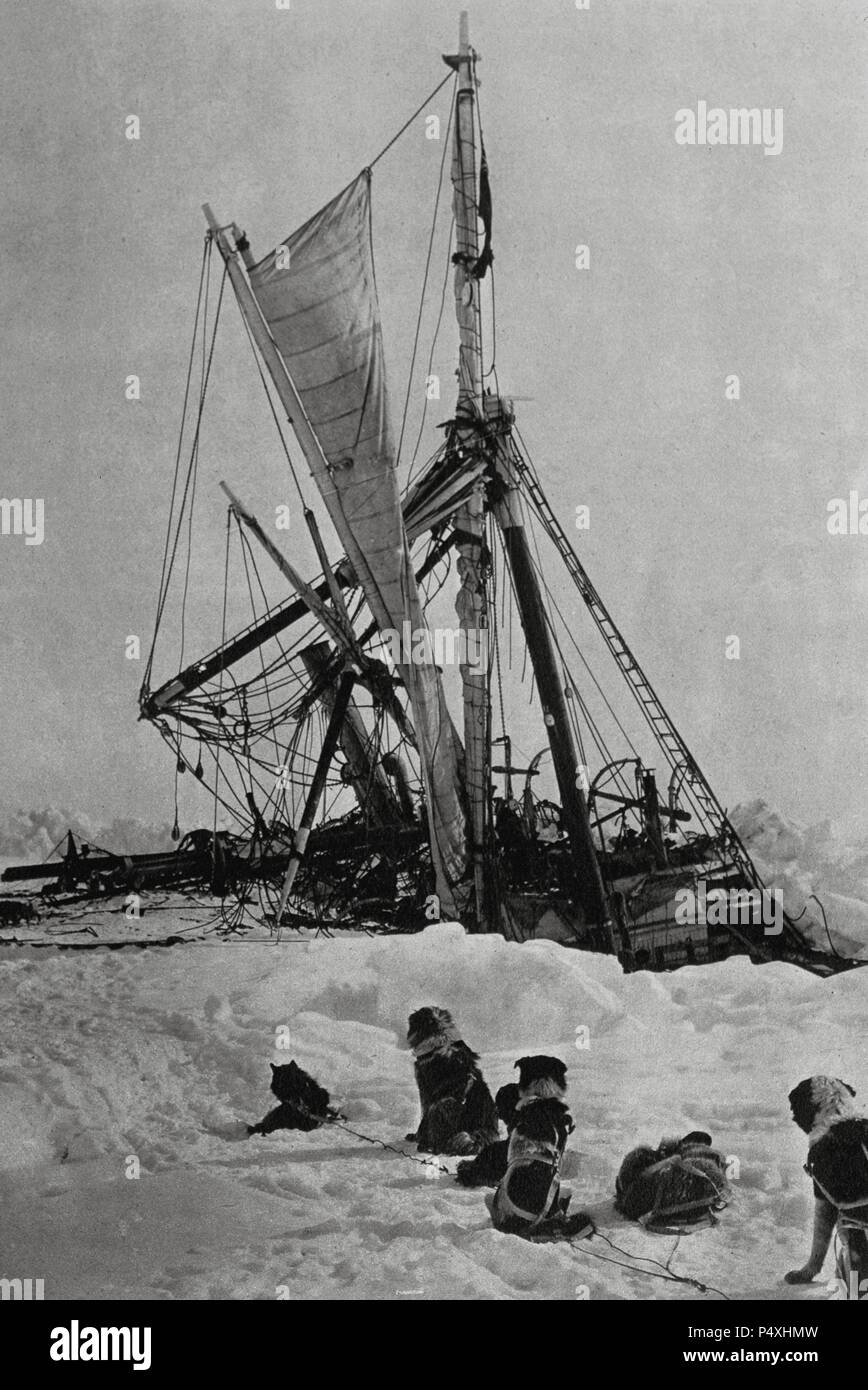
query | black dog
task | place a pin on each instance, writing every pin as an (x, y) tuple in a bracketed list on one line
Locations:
[(528, 1200), (838, 1164), (303, 1103), (489, 1167), (458, 1114)]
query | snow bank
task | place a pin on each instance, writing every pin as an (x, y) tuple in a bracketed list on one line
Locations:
[(151, 1061)]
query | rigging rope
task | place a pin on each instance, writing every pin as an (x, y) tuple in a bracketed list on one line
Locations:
[(407, 124), (551, 602), (194, 467), (194, 449), (390, 1147), (676, 763), (204, 271), (247, 555), (433, 347), (686, 790), (832, 945), (425, 280)]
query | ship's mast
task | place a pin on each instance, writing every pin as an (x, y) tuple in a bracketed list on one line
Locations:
[(470, 603), (465, 205), (472, 424), (508, 512)]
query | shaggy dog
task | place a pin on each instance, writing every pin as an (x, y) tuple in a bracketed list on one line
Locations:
[(458, 1114), (682, 1181), (837, 1162), (528, 1200), (489, 1166), (303, 1103)]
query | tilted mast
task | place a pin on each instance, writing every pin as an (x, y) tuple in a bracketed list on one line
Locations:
[(470, 603), (509, 515)]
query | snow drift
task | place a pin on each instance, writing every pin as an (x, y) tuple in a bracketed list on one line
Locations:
[(149, 1063)]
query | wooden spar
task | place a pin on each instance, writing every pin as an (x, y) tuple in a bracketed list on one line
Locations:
[(317, 786), (589, 882), (334, 587), (351, 732), (155, 703), (470, 603), (330, 621), (370, 783), (225, 656), (344, 637)]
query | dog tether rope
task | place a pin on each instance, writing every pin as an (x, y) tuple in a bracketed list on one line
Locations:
[(424, 1162), (338, 1119), (667, 1275)]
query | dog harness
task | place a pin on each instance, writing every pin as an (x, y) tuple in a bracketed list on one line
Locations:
[(652, 1218), (843, 1207), (547, 1153)]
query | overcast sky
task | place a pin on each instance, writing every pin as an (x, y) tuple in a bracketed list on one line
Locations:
[(708, 515)]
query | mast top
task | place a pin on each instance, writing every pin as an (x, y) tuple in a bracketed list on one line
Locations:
[(465, 52)]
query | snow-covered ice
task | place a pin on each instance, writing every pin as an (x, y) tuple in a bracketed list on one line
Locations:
[(160, 1056)]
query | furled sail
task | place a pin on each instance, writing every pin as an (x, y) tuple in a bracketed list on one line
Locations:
[(318, 295)]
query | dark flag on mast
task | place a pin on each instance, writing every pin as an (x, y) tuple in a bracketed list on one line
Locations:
[(486, 256)]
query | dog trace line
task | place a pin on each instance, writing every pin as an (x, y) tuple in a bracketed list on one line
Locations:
[(337, 1118), (669, 1276), (423, 1163)]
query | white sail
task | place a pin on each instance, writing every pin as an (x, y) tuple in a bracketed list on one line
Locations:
[(317, 293)]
